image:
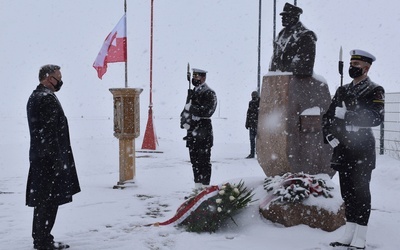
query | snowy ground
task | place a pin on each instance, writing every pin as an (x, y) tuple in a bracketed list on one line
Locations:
[(104, 218)]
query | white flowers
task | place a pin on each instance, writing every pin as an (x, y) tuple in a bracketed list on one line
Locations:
[(228, 194)]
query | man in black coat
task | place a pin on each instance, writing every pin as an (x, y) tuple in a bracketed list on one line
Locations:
[(52, 179), (355, 108), (196, 119), (294, 48), (252, 121)]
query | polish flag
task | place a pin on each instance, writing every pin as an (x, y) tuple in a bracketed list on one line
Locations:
[(113, 49)]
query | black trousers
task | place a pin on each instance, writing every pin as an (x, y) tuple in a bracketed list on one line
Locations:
[(252, 135), (355, 191), (201, 164), (44, 217)]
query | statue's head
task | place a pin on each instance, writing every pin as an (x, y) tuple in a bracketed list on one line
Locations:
[(290, 15)]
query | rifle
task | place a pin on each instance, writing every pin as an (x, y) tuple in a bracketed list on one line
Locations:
[(341, 90), (188, 74), (341, 66), (185, 117)]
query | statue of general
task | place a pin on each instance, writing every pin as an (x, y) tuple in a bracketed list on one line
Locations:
[(294, 48)]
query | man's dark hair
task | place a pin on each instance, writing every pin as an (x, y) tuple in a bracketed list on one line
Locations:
[(46, 70)]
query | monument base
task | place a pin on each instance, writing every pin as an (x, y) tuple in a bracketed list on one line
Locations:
[(292, 214), (289, 136)]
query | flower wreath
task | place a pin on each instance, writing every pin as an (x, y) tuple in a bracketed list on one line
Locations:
[(208, 209), (296, 187)]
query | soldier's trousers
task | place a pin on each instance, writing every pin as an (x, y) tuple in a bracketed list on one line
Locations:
[(201, 164), (355, 190)]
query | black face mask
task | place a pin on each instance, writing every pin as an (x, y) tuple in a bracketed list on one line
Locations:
[(355, 72), (196, 82), (57, 87)]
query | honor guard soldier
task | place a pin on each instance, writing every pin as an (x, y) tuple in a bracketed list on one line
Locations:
[(355, 108), (200, 105)]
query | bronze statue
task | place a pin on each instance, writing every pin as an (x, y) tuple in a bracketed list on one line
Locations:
[(294, 48)]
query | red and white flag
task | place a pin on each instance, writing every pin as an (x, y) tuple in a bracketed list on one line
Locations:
[(113, 49)]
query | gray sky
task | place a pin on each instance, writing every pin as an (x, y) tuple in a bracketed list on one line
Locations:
[(219, 36)]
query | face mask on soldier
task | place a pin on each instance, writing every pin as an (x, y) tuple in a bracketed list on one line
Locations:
[(355, 72), (196, 82)]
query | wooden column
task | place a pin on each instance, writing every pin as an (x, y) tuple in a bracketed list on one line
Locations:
[(126, 129)]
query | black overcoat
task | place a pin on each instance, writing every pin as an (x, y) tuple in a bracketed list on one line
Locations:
[(52, 174), (252, 113), (365, 109)]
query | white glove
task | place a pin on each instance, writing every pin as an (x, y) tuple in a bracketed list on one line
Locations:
[(187, 106), (340, 112), (332, 140)]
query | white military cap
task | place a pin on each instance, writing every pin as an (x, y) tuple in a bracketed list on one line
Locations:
[(199, 71), (357, 54)]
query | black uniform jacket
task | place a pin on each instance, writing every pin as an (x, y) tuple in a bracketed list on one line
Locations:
[(52, 174), (202, 104), (365, 109)]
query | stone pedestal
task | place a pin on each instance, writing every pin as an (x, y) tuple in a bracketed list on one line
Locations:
[(289, 136), (292, 214), (126, 129)]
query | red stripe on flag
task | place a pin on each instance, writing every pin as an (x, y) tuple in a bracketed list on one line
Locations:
[(117, 52)]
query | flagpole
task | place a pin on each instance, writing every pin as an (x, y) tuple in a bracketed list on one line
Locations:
[(274, 27), (259, 47), (126, 61), (150, 138), (151, 55)]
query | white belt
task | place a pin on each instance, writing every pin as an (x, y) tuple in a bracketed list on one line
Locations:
[(197, 118), (352, 128)]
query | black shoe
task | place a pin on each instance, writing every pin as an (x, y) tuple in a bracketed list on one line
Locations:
[(52, 246), (250, 156), (338, 244), (355, 248), (60, 245)]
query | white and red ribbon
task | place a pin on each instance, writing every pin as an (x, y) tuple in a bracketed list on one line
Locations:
[(188, 207)]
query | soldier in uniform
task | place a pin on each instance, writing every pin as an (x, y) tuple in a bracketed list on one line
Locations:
[(294, 48), (200, 105), (355, 108)]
